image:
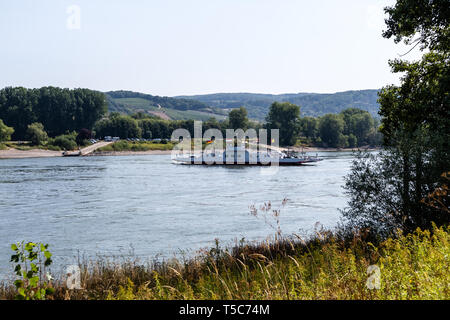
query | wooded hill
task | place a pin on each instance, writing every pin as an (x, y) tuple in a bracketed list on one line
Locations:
[(312, 104), (202, 107), (129, 102)]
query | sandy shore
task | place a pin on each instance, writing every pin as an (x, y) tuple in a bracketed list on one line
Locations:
[(34, 153)]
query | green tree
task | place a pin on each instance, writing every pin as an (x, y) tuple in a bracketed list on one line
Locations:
[(36, 133), (359, 123), (424, 22), (309, 127), (331, 128), (238, 118), (387, 191), (5, 132), (352, 140), (59, 110), (284, 116), (118, 126)]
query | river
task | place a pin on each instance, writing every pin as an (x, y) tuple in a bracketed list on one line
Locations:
[(148, 207)]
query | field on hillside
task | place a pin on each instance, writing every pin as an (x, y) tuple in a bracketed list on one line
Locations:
[(131, 105)]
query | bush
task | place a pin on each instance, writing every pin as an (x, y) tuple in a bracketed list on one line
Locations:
[(65, 142), (53, 148), (5, 132), (83, 136), (37, 134), (124, 145)]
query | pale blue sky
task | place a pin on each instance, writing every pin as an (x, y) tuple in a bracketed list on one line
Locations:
[(175, 47)]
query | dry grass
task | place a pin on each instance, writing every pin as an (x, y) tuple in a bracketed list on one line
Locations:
[(414, 266)]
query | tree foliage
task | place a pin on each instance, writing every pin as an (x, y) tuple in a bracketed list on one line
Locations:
[(36, 133), (331, 128), (351, 128), (388, 191), (429, 19), (238, 119), (284, 116), (59, 110), (5, 132)]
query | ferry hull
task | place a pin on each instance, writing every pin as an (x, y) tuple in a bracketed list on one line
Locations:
[(280, 163)]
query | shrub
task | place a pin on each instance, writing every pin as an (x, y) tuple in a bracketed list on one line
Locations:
[(32, 260), (65, 142), (5, 132), (37, 134), (83, 136)]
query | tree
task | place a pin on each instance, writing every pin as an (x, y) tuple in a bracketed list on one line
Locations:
[(430, 20), (37, 134), (309, 127), (5, 132), (331, 128), (238, 119), (83, 135), (388, 191), (118, 126), (359, 123), (352, 140), (284, 116), (59, 110)]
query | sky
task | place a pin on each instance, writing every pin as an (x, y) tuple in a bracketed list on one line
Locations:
[(184, 47)]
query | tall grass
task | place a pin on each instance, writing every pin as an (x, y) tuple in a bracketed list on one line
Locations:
[(124, 145), (413, 266)]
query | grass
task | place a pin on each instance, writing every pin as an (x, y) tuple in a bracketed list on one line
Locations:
[(135, 104), (124, 145), (414, 266)]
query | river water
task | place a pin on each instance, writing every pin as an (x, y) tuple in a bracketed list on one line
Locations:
[(148, 207)]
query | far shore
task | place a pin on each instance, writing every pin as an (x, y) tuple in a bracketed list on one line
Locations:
[(41, 153), (33, 153), (320, 149), (129, 153)]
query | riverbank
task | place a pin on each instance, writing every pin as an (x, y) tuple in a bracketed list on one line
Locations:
[(33, 153), (320, 149), (414, 266), (130, 153), (42, 153)]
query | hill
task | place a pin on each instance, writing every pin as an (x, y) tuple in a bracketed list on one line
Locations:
[(129, 102), (312, 104), (217, 105)]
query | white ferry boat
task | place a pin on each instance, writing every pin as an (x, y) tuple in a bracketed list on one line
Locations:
[(242, 156)]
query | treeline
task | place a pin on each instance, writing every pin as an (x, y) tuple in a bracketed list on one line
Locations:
[(58, 110), (145, 126), (350, 128), (313, 104), (165, 102)]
